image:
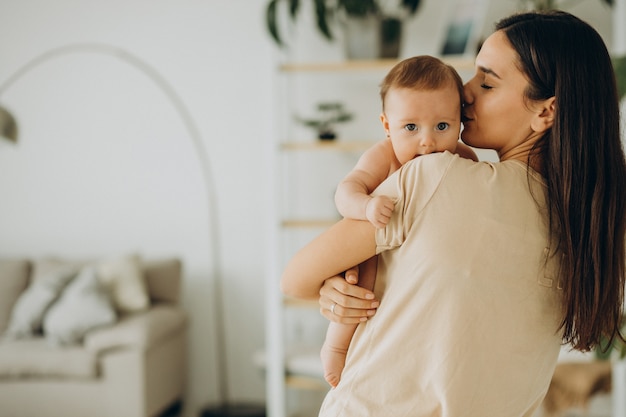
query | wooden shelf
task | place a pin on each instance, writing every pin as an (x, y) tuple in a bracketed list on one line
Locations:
[(302, 371), (458, 62), (334, 145), (306, 383), (308, 223), (338, 66)]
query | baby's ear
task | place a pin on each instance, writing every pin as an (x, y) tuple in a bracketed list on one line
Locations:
[(385, 122), (544, 117)]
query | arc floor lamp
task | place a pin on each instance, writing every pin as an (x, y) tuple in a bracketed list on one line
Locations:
[(9, 130)]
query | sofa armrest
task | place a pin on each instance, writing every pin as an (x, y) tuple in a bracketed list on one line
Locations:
[(163, 279), (140, 331)]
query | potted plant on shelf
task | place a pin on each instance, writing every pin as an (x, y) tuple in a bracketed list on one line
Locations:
[(329, 114), (372, 20)]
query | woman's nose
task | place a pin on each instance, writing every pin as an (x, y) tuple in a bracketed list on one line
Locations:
[(467, 94)]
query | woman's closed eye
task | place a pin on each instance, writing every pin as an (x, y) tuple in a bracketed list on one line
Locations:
[(485, 86)]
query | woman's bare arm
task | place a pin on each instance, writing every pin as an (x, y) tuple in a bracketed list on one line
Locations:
[(347, 243)]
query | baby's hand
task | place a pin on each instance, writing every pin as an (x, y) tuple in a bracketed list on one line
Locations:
[(378, 210)]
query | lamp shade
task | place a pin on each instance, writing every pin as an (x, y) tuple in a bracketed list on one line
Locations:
[(8, 125)]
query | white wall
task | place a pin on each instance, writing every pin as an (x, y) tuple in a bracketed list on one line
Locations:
[(105, 166)]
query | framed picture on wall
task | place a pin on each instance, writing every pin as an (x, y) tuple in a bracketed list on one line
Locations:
[(465, 26)]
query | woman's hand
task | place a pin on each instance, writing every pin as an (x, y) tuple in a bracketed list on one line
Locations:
[(342, 301)]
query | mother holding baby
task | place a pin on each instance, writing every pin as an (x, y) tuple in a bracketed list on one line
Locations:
[(486, 269)]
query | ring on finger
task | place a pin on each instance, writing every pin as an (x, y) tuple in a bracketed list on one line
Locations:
[(332, 308)]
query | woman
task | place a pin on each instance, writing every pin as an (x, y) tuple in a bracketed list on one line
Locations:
[(486, 268)]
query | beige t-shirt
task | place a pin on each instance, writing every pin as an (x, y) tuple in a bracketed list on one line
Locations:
[(469, 314)]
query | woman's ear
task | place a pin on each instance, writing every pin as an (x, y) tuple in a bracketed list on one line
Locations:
[(385, 122), (544, 117)]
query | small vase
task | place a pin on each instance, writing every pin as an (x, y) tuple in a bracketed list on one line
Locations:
[(371, 37), (390, 37), (327, 135), (362, 37)]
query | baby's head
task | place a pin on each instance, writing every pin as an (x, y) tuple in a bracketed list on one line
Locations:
[(422, 99), (423, 72)]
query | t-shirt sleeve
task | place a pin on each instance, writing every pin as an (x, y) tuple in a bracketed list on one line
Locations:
[(411, 188)]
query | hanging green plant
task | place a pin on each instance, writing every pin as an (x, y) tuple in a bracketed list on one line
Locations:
[(326, 12)]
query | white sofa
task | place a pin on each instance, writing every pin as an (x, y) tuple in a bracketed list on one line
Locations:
[(132, 367)]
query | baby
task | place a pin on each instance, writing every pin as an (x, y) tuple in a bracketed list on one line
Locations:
[(421, 100)]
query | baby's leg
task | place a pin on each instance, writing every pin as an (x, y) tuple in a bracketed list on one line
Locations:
[(335, 349), (338, 336)]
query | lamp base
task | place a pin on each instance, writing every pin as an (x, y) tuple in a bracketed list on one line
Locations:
[(234, 410)]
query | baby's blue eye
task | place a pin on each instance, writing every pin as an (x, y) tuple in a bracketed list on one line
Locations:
[(411, 127), (442, 126)]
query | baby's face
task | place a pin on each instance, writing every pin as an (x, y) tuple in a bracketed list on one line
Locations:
[(420, 122)]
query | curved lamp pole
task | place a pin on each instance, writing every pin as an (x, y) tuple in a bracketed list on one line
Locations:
[(9, 130)]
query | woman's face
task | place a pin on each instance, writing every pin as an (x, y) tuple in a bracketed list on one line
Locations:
[(498, 115)]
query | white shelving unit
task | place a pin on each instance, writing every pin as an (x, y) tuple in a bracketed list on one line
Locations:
[(306, 172)]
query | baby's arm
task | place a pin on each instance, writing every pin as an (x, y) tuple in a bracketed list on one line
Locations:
[(352, 197)]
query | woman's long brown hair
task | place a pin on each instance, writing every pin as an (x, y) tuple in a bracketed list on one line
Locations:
[(583, 164)]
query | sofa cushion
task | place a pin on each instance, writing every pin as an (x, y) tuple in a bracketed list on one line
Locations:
[(36, 358), (13, 281), (49, 279), (140, 330), (84, 305), (123, 276)]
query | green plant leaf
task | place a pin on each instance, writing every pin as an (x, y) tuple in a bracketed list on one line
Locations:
[(359, 8), (294, 7), (604, 349), (313, 123), (271, 18), (343, 117), (328, 106), (272, 24), (619, 66), (413, 5), (321, 14), (606, 346), (330, 113)]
